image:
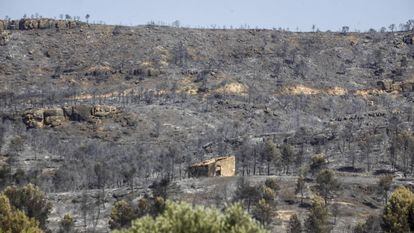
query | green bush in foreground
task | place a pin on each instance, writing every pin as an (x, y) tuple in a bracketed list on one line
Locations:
[(183, 218), (15, 221), (31, 201), (399, 211)]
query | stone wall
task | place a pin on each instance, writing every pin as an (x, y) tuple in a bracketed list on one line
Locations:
[(227, 165), (222, 166)]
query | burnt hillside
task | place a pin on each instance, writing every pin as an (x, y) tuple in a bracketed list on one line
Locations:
[(153, 100)]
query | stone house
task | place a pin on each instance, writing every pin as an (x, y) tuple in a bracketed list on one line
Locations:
[(219, 166)]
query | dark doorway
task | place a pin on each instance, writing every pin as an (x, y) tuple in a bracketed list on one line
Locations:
[(218, 170)]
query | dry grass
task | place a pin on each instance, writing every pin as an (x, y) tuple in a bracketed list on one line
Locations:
[(233, 88), (285, 215)]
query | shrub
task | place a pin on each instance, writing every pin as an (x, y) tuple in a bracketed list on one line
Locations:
[(20, 176), (300, 187), (121, 215), (16, 144), (272, 183), (31, 201), (295, 226), (371, 225), (271, 154), (158, 206), (5, 175), (15, 221), (246, 193), (327, 183), (317, 163), (399, 211), (160, 188), (144, 206), (384, 186), (287, 155), (317, 221), (66, 224), (263, 212), (183, 218), (268, 194), (123, 212)]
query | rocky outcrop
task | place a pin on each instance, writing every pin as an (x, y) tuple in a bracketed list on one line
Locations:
[(385, 84), (391, 86), (30, 24), (39, 118), (2, 25), (27, 24), (34, 118), (78, 112), (103, 110), (11, 24), (53, 117), (3, 160), (45, 23), (4, 37), (408, 39), (352, 117), (407, 86), (43, 117), (99, 71), (61, 24)]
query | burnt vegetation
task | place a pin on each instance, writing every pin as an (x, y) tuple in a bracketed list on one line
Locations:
[(113, 113)]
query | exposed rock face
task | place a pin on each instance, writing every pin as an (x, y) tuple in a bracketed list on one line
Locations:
[(103, 111), (4, 37), (2, 25), (45, 23), (39, 118), (11, 24), (34, 118), (43, 117), (29, 24), (78, 113), (408, 39), (3, 160), (390, 86), (53, 117), (53, 112), (99, 71), (385, 84), (407, 86), (153, 72)]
